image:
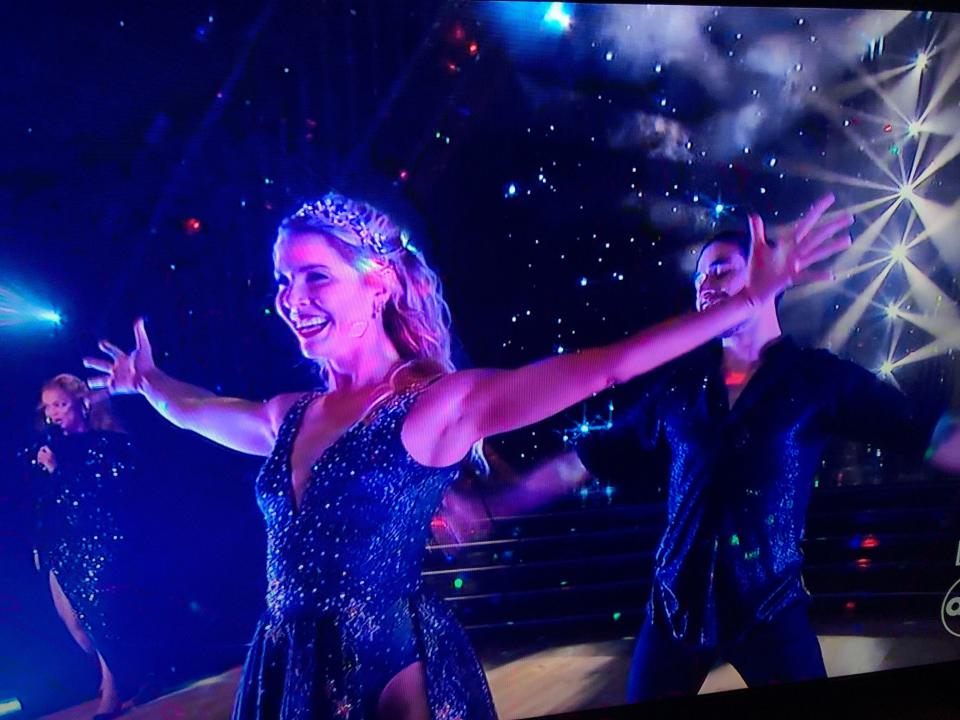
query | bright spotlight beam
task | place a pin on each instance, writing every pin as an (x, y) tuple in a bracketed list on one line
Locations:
[(916, 98), (939, 327), (19, 311), (945, 83), (947, 153), (872, 82), (886, 372), (856, 86), (865, 240), (863, 207), (834, 178), (840, 332), (895, 340), (940, 225), (931, 350), (927, 293), (921, 146)]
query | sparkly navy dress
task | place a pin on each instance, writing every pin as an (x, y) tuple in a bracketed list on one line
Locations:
[(81, 535), (346, 609)]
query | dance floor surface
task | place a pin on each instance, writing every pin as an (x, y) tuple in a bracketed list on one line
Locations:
[(568, 677)]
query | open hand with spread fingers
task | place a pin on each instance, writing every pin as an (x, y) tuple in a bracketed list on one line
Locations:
[(124, 372), (786, 259)]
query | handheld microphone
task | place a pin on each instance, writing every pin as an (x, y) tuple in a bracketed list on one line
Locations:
[(52, 433)]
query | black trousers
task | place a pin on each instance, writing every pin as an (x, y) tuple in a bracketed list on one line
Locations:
[(783, 649)]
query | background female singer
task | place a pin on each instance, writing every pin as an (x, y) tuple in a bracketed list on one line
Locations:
[(80, 470)]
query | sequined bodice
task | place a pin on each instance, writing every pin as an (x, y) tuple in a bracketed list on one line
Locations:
[(363, 520)]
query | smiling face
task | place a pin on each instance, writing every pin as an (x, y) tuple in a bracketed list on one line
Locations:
[(327, 302), (63, 410)]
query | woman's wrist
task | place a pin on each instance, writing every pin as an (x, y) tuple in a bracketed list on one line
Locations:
[(148, 382)]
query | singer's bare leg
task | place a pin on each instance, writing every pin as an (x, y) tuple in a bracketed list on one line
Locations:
[(109, 698)]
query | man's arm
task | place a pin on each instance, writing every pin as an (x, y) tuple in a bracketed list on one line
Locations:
[(466, 516), (868, 409)]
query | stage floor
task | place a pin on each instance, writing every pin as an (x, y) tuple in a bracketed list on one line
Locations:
[(566, 678)]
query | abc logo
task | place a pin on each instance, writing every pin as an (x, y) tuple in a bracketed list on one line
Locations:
[(950, 611)]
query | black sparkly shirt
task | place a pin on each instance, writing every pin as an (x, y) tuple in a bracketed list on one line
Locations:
[(740, 478)]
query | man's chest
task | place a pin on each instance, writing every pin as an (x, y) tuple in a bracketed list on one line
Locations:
[(699, 418)]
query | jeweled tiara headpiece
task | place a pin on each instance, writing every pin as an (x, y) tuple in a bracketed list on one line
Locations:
[(333, 210)]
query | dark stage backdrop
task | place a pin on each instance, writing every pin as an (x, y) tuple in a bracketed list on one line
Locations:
[(558, 164)]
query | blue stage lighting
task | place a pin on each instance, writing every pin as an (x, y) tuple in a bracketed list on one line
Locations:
[(50, 316), (557, 16), (9, 706)]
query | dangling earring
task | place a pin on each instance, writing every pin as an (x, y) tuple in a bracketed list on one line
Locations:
[(358, 328), (85, 410), (48, 421)]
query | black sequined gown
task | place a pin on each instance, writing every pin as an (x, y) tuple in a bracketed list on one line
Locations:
[(80, 533), (346, 609)]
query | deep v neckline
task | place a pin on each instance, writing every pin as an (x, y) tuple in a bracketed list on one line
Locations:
[(369, 415)]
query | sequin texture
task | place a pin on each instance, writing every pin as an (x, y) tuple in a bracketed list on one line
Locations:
[(741, 478), (346, 609), (79, 534)]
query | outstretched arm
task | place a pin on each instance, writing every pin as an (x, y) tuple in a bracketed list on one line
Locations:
[(496, 401), (474, 404), (466, 515), (244, 425), (548, 481), (866, 408)]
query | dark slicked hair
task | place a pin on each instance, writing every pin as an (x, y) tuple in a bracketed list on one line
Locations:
[(739, 238)]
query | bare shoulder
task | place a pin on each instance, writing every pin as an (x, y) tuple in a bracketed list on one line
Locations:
[(447, 396), (434, 433), (277, 407)]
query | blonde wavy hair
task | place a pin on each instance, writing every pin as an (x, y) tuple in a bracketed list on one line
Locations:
[(96, 405), (416, 318)]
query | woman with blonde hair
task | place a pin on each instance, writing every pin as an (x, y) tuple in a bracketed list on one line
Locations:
[(354, 473), (81, 468)]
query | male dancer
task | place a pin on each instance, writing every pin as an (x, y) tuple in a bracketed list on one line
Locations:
[(745, 420)]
